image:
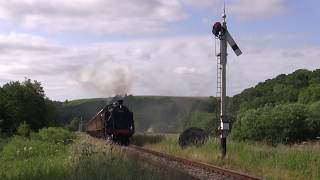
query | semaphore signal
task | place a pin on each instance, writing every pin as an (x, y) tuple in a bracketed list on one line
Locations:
[(221, 32)]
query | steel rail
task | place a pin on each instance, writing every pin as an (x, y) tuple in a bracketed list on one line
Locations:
[(200, 165)]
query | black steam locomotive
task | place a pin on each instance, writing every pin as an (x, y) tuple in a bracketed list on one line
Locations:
[(115, 122)]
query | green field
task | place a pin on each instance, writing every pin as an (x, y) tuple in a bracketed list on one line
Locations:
[(56, 153), (269, 162)]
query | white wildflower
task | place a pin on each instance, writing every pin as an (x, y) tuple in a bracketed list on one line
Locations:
[(25, 148), (30, 148)]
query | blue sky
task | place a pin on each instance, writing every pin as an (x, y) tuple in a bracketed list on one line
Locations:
[(99, 48)]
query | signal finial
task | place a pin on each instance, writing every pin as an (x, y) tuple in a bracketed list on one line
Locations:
[(224, 16)]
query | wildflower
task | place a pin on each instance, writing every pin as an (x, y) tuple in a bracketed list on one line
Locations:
[(30, 148), (25, 148)]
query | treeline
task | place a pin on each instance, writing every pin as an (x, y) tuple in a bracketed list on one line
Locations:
[(285, 109), (26, 103)]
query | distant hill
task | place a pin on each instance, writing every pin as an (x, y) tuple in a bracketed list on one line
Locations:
[(166, 114), (289, 104)]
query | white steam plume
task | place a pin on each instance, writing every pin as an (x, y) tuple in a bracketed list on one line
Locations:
[(106, 79)]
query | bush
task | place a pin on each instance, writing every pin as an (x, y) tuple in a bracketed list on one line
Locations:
[(280, 124), (20, 148), (55, 135), (24, 130), (74, 124)]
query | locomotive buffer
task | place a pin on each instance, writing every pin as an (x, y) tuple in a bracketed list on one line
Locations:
[(220, 31)]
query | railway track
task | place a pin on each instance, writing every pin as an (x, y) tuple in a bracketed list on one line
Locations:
[(196, 170)]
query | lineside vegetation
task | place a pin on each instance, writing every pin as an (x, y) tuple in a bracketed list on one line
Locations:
[(56, 153), (269, 162)]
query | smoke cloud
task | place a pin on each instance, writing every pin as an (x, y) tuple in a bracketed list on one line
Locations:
[(106, 79)]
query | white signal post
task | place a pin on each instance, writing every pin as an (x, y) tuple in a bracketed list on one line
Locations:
[(221, 31)]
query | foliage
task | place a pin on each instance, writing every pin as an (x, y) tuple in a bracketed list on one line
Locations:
[(24, 130), (313, 121), (74, 124), (204, 120), (24, 158), (55, 135), (280, 124), (33, 158), (280, 90), (24, 101), (310, 94), (271, 112), (269, 162)]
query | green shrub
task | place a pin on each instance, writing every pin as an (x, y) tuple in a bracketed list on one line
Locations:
[(74, 124), (24, 130), (21, 148), (280, 124), (55, 135)]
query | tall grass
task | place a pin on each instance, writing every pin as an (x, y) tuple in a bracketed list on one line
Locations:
[(36, 157), (270, 162), (56, 153)]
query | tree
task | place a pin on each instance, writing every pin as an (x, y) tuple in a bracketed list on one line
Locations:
[(310, 94), (24, 101), (24, 130), (313, 121)]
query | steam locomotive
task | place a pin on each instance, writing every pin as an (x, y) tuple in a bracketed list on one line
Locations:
[(114, 122)]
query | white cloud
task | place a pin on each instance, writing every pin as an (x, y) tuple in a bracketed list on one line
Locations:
[(203, 3), (102, 16), (125, 16), (182, 66), (185, 70), (250, 9)]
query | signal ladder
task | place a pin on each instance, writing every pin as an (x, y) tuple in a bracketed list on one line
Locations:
[(219, 80), (219, 87)]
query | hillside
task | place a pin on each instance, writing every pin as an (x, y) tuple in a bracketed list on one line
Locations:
[(283, 109), (301, 86), (151, 113)]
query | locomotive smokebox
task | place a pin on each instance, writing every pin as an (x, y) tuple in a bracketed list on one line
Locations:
[(120, 101)]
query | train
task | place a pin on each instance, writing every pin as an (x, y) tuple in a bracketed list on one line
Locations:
[(114, 122)]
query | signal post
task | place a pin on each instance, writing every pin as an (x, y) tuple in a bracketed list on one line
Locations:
[(221, 32)]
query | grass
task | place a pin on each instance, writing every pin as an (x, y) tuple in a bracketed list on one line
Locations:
[(83, 101), (55, 153), (36, 157), (280, 162)]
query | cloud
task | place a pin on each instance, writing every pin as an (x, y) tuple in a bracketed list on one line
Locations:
[(251, 9), (185, 70), (182, 66), (202, 3), (99, 16)]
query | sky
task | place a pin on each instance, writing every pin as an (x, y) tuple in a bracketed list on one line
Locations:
[(100, 48)]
